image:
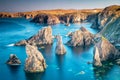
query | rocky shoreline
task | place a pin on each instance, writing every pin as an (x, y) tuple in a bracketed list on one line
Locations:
[(106, 20)]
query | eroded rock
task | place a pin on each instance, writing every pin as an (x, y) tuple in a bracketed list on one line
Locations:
[(43, 37), (60, 49), (104, 51), (81, 37), (13, 60), (35, 62)]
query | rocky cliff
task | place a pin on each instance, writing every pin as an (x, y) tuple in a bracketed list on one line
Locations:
[(60, 49), (109, 20), (46, 19), (104, 51), (35, 62), (43, 37)]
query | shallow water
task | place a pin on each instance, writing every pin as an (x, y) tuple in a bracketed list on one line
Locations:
[(71, 66)]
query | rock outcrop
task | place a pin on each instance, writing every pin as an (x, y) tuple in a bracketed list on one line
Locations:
[(60, 49), (35, 62), (81, 37), (104, 51), (13, 60), (46, 19), (43, 37)]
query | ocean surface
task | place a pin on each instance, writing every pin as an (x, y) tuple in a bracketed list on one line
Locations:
[(71, 66)]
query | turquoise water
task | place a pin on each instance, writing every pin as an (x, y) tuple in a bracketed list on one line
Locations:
[(71, 66)]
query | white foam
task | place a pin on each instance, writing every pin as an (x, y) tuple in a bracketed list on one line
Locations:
[(10, 45)]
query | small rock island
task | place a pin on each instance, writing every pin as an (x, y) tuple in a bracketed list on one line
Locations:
[(35, 62)]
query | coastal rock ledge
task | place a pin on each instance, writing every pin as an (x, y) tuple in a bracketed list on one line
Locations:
[(35, 62), (60, 49), (44, 36), (104, 51)]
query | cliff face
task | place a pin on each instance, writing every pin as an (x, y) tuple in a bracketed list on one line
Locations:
[(43, 37), (108, 14), (35, 62), (104, 51), (109, 20), (60, 49), (46, 19)]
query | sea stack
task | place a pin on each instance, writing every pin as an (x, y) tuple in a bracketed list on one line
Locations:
[(104, 51), (13, 60), (80, 37), (35, 62), (60, 49), (43, 37)]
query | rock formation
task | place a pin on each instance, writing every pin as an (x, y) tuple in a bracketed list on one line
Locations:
[(43, 37), (60, 49), (46, 19), (35, 62), (104, 51), (13, 60), (81, 37)]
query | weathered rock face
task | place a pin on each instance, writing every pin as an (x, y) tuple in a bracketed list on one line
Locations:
[(60, 49), (112, 32), (43, 37), (93, 18), (35, 62), (104, 51), (13, 60), (108, 14), (81, 37), (46, 19)]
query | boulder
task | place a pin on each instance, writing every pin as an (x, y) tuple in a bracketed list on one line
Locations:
[(60, 49), (13, 60), (35, 62), (43, 37), (104, 51)]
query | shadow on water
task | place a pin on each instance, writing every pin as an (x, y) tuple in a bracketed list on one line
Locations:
[(100, 72), (60, 60), (13, 69), (34, 76)]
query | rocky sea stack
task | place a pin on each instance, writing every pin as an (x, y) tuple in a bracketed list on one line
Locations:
[(35, 62), (13, 60), (81, 37), (104, 51), (43, 37), (60, 49)]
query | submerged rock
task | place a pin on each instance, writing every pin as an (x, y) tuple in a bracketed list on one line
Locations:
[(35, 62), (60, 49), (104, 51), (44, 36), (81, 37), (13, 60)]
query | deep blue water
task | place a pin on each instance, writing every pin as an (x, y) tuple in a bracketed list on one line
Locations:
[(66, 67)]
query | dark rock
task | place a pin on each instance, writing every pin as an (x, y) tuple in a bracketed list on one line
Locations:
[(35, 62), (13, 60)]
